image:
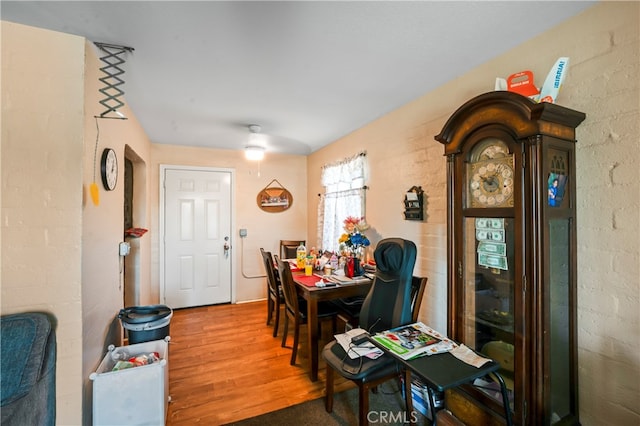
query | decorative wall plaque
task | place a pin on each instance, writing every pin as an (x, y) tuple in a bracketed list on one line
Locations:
[(274, 198), (414, 204)]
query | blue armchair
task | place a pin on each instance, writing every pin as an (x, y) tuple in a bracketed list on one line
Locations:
[(27, 370)]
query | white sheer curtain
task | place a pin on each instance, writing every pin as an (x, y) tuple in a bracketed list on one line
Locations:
[(344, 184)]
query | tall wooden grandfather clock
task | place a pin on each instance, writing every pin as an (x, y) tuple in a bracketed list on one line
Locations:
[(512, 254)]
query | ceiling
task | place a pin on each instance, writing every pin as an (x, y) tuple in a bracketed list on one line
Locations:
[(307, 72)]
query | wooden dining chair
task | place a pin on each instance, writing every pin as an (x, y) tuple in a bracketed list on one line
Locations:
[(418, 285), (275, 298), (296, 308), (288, 248)]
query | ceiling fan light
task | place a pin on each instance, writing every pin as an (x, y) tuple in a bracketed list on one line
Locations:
[(254, 153)]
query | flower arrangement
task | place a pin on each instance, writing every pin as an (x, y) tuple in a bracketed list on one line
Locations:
[(353, 240)]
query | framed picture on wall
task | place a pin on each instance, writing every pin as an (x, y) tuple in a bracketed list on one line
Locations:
[(274, 198)]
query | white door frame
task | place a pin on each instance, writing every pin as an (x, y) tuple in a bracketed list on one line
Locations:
[(161, 227)]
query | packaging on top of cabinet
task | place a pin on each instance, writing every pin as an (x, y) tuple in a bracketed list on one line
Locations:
[(523, 83), (554, 80)]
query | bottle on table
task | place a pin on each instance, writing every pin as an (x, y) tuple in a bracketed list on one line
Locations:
[(334, 262), (301, 255)]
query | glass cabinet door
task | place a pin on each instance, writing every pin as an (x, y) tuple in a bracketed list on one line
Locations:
[(560, 388), (488, 295)]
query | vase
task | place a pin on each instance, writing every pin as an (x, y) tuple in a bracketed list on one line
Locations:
[(353, 268), (358, 270)]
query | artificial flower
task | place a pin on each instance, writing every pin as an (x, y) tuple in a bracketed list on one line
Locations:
[(353, 240)]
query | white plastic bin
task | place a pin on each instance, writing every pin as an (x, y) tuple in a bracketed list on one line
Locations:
[(134, 396)]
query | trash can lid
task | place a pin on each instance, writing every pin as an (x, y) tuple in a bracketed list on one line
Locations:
[(142, 314)]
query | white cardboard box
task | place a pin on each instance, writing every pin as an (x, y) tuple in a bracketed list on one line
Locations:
[(134, 396)]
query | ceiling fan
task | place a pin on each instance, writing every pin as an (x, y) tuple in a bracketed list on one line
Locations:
[(258, 141), (255, 148)]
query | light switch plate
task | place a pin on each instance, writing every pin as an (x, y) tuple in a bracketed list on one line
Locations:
[(124, 248)]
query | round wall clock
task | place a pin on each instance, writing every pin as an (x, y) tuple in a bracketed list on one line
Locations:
[(109, 169)]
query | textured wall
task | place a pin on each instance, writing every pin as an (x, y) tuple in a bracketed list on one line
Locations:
[(42, 116), (607, 89), (103, 225)]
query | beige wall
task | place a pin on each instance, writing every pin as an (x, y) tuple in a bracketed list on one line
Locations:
[(603, 81), (263, 229), (103, 225), (42, 157)]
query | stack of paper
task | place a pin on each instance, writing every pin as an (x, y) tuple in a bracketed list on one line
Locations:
[(414, 340), (465, 354), (341, 279)]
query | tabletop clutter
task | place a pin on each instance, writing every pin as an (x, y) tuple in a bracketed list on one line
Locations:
[(407, 342), (327, 263)]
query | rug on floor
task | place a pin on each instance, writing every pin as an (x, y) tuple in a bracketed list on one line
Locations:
[(386, 407)]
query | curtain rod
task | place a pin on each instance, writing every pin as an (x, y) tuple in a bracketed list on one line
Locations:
[(345, 160), (344, 190)]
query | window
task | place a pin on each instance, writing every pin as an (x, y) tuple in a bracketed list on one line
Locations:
[(344, 195)]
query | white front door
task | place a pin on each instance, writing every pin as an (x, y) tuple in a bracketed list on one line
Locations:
[(197, 232)]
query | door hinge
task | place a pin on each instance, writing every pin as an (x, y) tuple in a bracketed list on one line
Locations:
[(524, 284), (460, 269)]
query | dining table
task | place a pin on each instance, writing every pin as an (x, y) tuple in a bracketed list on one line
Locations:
[(306, 287)]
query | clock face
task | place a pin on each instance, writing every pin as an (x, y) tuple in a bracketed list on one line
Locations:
[(109, 169), (490, 176)]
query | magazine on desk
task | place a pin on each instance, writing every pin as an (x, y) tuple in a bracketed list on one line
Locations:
[(414, 340)]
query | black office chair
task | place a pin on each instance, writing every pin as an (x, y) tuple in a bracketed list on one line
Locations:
[(349, 308), (387, 305)]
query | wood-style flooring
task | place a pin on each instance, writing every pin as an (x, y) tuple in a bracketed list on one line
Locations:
[(225, 365)]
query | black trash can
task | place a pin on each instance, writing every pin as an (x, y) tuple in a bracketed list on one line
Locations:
[(146, 323)]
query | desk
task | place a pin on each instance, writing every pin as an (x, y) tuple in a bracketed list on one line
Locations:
[(444, 371), (313, 295)]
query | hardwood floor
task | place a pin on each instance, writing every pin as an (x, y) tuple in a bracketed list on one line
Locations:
[(225, 365)]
